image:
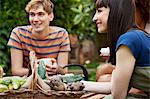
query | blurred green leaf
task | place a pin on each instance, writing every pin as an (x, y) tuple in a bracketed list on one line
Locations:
[(75, 10), (80, 8), (1, 65), (77, 19), (87, 9)]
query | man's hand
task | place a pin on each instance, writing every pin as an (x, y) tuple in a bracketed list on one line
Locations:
[(52, 69)]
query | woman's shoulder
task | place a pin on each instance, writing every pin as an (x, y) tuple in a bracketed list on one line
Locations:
[(133, 34)]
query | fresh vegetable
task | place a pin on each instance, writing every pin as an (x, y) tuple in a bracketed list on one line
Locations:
[(3, 88), (10, 86), (72, 78), (28, 82), (42, 70), (68, 82), (38, 74), (16, 84), (12, 82), (5, 81)]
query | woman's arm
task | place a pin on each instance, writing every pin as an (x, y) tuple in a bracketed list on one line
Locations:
[(17, 63), (125, 62), (98, 87)]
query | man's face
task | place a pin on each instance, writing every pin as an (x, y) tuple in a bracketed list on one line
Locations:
[(101, 18), (39, 19)]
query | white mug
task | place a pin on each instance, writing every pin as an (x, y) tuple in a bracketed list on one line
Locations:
[(47, 61), (105, 51)]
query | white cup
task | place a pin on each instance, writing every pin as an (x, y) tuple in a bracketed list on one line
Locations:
[(105, 51), (47, 61)]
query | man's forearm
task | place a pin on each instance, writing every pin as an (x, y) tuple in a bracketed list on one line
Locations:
[(20, 71)]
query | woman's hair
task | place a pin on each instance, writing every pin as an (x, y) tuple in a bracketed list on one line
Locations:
[(121, 19), (47, 5), (143, 6)]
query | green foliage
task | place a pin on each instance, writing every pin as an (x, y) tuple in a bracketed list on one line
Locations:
[(92, 76), (76, 17), (72, 78), (92, 65), (11, 15), (1, 65)]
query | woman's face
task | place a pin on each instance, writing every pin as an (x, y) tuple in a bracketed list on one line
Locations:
[(101, 18)]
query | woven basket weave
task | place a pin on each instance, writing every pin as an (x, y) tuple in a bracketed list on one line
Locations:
[(37, 94)]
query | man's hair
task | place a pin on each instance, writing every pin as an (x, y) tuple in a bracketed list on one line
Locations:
[(121, 19), (47, 5)]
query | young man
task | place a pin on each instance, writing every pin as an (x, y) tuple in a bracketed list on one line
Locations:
[(47, 41)]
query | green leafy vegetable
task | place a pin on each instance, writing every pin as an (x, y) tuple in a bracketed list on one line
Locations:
[(42, 70), (72, 78)]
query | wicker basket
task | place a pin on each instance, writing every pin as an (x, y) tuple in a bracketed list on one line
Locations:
[(37, 94)]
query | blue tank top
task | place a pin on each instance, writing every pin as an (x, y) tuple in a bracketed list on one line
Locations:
[(139, 44)]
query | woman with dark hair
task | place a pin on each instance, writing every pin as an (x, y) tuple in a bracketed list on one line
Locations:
[(142, 19), (130, 46)]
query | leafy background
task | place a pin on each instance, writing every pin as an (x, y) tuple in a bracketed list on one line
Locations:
[(11, 15)]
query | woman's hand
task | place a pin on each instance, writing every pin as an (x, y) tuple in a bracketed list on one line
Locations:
[(105, 54), (103, 73)]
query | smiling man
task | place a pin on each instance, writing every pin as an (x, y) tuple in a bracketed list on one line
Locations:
[(47, 41)]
